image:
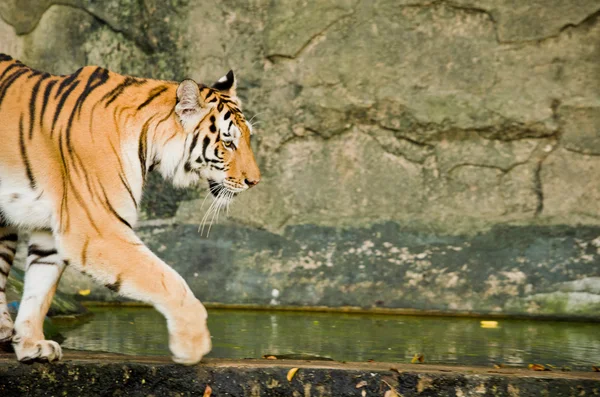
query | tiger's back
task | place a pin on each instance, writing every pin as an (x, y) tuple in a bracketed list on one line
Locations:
[(59, 131)]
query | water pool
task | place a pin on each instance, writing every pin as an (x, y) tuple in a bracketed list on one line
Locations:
[(347, 337)]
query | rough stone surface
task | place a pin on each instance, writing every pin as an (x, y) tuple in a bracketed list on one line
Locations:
[(410, 125), (110, 375)]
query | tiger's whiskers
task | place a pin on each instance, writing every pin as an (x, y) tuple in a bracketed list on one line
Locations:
[(223, 199)]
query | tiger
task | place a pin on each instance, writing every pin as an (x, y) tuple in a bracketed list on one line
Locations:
[(76, 151)]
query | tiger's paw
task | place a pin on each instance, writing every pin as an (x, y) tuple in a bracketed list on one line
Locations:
[(188, 348), (189, 340), (41, 351), (6, 326)]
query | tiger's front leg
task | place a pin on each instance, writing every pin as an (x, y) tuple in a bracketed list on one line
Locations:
[(43, 270), (122, 262)]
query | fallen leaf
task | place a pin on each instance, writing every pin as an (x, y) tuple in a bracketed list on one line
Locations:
[(370, 360), (537, 367), (291, 373), (417, 357), (498, 366), (207, 391), (488, 324), (84, 292), (270, 357), (596, 369), (395, 370), (361, 384), (390, 393)]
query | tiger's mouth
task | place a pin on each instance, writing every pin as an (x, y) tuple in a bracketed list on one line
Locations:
[(216, 188)]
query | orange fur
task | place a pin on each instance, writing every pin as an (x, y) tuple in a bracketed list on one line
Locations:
[(83, 144)]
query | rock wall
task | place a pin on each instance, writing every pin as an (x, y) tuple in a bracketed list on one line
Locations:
[(415, 154)]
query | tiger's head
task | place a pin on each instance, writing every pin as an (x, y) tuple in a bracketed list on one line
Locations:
[(217, 138)]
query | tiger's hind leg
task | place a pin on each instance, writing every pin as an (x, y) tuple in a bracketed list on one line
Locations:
[(44, 268), (8, 247)]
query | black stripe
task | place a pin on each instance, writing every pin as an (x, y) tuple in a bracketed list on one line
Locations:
[(116, 286), (13, 250), (60, 105), (128, 189), (36, 250), (32, 100), (153, 165), (96, 79), (9, 81), (46, 99), (67, 81), (34, 73), (153, 94), (118, 90), (84, 252), (10, 237), (24, 154), (7, 258), (142, 147), (119, 217), (217, 153), (112, 209), (69, 180), (9, 68), (194, 142), (39, 262), (5, 57), (205, 144)]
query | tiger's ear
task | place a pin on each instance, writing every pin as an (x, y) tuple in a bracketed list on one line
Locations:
[(190, 105), (226, 84)]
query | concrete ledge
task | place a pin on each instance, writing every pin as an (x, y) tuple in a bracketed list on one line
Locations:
[(96, 374)]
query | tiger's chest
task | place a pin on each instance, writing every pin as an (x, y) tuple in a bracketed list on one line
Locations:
[(23, 206)]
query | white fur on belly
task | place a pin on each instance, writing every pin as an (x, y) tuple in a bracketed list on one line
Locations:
[(22, 206)]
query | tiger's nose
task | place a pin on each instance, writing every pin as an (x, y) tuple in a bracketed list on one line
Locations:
[(251, 182)]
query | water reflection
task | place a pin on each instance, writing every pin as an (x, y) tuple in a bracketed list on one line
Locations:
[(345, 337)]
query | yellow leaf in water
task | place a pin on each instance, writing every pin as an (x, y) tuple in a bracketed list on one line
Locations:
[(537, 367), (84, 292), (488, 324), (270, 357), (291, 373), (417, 358), (207, 391)]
